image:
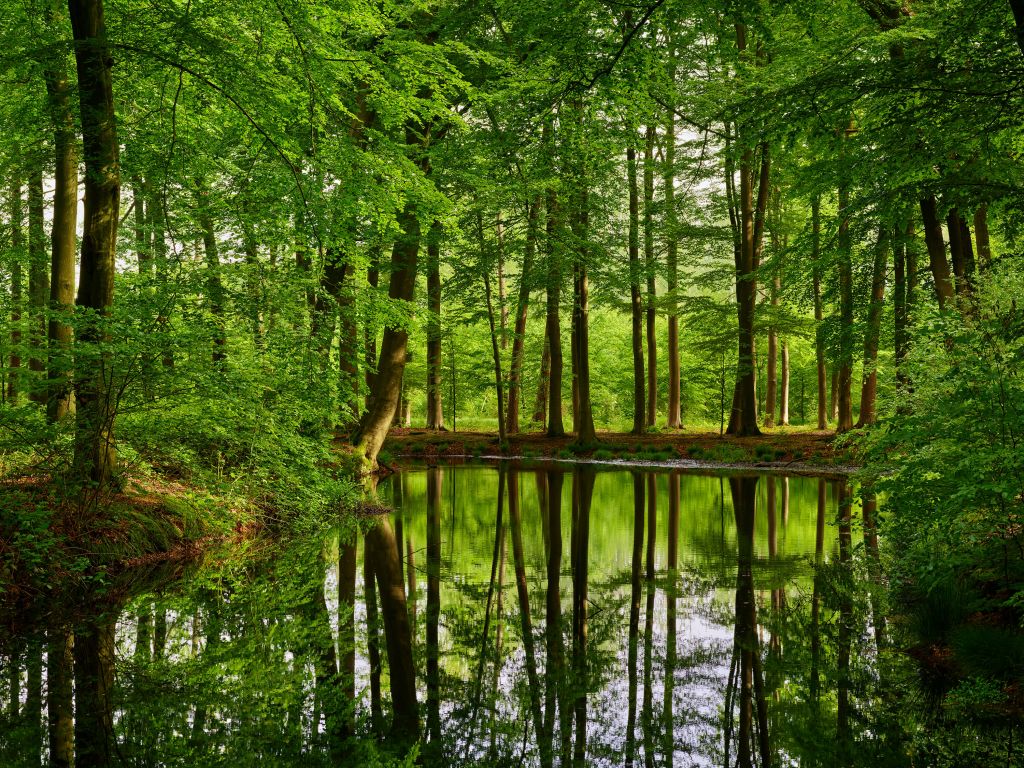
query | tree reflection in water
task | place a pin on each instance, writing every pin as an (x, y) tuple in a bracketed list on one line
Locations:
[(676, 631)]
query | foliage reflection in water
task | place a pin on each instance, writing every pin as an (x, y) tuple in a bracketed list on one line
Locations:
[(500, 616)]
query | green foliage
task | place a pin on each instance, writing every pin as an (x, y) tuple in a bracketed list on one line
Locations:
[(951, 468)]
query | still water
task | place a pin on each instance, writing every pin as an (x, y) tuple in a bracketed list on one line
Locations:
[(546, 615)]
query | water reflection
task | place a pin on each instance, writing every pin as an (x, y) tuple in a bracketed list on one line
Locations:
[(693, 620)]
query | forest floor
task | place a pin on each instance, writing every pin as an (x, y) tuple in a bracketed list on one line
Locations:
[(809, 451)]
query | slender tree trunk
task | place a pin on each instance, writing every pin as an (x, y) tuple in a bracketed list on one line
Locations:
[(347, 633), (348, 344), (845, 634), (584, 478), (784, 394), (515, 385), (434, 477), (95, 455), (585, 432), (650, 268), (636, 300), (495, 349), (833, 402), (819, 332), (845, 304), (17, 258), (38, 287), (636, 567), (369, 337), (872, 332), (540, 407), (553, 328), (772, 374), (671, 253), (435, 409), (525, 619), (647, 708), (671, 617), (499, 232), (553, 615), (372, 642)]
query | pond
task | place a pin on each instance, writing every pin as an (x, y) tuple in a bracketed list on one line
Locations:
[(520, 615)]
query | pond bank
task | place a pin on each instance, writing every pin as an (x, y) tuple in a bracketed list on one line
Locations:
[(793, 452)]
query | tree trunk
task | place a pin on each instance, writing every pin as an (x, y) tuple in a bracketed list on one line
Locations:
[(525, 620), (515, 385), (434, 477), (94, 679), (369, 337), (17, 257), (784, 393), (744, 415), (1018, 22), (553, 326), (59, 702), (372, 642), (382, 549), (38, 287), (387, 384), (585, 432), (833, 401), (583, 422), (497, 357), (435, 409), (872, 333), (962, 253), (772, 374), (936, 252), (650, 268), (95, 455), (499, 232), (671, 250), (639, 411), (636, 564), (981, 231), (583, 478), (540, 407), (348, 346), (845, 422), (819, 335), (347, 631)]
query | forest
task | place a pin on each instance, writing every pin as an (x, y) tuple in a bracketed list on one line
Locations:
[(571, 382)]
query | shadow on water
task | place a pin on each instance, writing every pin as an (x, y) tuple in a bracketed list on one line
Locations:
[(498, 616)]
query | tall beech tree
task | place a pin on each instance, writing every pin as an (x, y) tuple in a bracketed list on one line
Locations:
[(95, 453)]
